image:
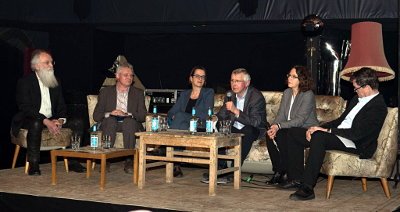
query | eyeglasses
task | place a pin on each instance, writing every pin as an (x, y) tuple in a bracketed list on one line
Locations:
[(292, 76), (199, 76), (236, 81), (356, 89), (49, 62)]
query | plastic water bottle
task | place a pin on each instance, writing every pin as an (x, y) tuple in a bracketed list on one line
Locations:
[(154, 120), (209, 122), (193, 122), (94, 138)]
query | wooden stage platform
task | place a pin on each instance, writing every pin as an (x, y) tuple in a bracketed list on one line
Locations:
[(187, 193)]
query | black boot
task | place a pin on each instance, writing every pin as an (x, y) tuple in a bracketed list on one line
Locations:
[(178, 171), (34, 169)]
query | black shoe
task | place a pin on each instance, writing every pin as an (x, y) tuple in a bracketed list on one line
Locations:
[(290, 184), (128, 167), (304, 193), (277, 178), (76, 167), (178, 171), (34, 170)]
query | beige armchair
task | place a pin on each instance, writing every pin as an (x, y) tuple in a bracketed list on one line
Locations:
[(92, 101), (49, 142), (337, 163)]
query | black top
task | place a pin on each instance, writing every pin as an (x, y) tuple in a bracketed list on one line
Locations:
[(191, 103)]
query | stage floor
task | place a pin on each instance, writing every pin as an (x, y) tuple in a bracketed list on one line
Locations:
[(189, 194)]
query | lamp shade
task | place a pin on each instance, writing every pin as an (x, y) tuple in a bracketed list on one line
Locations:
[(367, 51)]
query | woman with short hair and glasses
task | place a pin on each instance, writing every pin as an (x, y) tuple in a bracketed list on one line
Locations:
[(199, 97), (297, 109)]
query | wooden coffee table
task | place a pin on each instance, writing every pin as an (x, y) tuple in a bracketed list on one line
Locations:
[(209, 143), (90, 154)]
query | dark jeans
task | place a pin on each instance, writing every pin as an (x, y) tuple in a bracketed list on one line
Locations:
[(320, 142)]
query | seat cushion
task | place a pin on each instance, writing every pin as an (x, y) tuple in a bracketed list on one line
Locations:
[(49, 141)]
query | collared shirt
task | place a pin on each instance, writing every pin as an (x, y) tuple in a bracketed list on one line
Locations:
[(290, 108), (122, 100), (348, 121), (240, 106), (45, 104)]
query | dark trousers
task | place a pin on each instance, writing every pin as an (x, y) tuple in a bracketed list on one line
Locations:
[(250, 135), (110, 126), (320, 142), (279, 152)]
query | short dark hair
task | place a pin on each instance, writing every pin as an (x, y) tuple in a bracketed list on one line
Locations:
[(366, 76)]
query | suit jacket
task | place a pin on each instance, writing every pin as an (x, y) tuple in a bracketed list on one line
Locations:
[(205, 101), (254, 111), (303, 112), (29, 100), (366, 125), (107, 102)]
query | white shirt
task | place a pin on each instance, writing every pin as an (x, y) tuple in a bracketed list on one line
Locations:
[(240, 106), (348, 121)]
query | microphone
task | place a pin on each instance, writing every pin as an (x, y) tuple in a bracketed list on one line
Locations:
[(229, 96)]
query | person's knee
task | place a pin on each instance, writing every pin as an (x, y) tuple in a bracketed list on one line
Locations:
[(36, 126)]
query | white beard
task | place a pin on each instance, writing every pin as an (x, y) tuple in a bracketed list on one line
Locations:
[(47, 77)]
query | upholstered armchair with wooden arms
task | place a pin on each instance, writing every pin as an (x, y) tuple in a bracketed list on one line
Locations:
[(337, 163), (49, 142)]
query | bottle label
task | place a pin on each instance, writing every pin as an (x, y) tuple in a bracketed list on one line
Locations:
[(209, 127), (94, 141), (193, 126), (154, 124)]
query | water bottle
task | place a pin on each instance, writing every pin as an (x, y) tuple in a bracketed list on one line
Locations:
[(94, 138), (154, 120), (209, 122), (193, 122)]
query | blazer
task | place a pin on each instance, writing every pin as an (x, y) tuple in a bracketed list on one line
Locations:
[(366, 125), (205, 101), (107, 102), (29, 99), (303, 112), (254, 111)]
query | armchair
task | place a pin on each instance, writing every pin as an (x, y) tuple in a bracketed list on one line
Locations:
[(337, 163)]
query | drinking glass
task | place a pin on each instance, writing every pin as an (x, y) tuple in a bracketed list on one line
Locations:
[(75, 141), (106, 141)]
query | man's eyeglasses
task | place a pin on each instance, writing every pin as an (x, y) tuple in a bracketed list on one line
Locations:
[(236, 81), (199, 76), (49, 62), (292, 76), (356, 89)]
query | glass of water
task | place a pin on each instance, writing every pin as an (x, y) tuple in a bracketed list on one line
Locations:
[(75, 141), (106, 141)]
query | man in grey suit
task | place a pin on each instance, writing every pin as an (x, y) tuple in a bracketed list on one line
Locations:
[(121, 108)]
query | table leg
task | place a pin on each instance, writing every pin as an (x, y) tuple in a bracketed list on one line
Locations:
[(142, 163), (169, 175), (53, 168), (135, 166), (213, 170), (237, 163), (103, 171), (88, 163)]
